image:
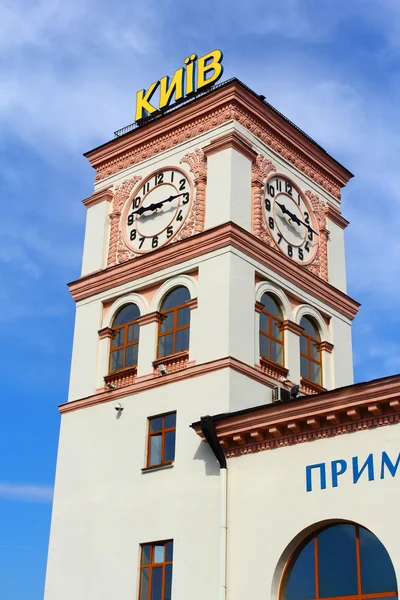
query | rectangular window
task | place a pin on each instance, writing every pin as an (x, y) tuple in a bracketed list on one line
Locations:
[(156, 570), (161, 443)]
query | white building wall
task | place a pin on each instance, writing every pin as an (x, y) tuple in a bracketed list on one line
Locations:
[(96, 238), (336, 257)]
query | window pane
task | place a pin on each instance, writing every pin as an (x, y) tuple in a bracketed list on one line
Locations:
[(304, 367), (158, 553), (131, 355), (178, 296), (168, 582), (156, 583), (118, 338), (377, 573), (337, 561), (117, 360), (277, 330), (264, 323), (170, 420), (156, 424), (167, 322), (303, 344), (316, 373), (169, 449), (271, 305), (301, 582), (314, 350), (170, 550), (309, 327), (133, 333), (146, 554), (277, 352), (155, 450), (183, 317), (127, 314), (165, 345), (144, 583), (182, 340), (264, 346)]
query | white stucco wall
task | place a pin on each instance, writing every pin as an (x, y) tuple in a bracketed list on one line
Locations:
[(97, 234)]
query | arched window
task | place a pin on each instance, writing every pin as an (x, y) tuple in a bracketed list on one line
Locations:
[(271, 332), (174, 327), (125, 338), (342, 560), (310, 352)]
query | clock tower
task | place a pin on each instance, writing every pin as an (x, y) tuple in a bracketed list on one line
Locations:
[(213, 280)]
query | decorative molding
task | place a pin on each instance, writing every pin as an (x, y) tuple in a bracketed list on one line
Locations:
[(192, 304), (195, 221), (320, 264), (334, 215), (104, 195), (121, 378), (260, 170), (292, 327), (200, 245), (310, 387), (326, 347), (117, 250), (153, 317), (173, 362), (105, 333), (227, 103), (147, 382), (258, 306), (346, 410), (234, 140), (273, 369)]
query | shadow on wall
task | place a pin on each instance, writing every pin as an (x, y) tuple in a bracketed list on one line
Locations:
[(205, 454)]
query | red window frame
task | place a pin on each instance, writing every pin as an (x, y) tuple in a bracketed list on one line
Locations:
[(309, 339), (172, 331), (151, 565), (163, 431), (272, 339), (123, 346)]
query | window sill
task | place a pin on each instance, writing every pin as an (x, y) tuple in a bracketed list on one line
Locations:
[(121, 378), (273, 369), (157, 468), (172, 362), (308, 387)]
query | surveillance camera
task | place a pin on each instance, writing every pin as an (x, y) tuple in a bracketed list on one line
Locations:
[(118, 407), (163, 369), (111, 386)]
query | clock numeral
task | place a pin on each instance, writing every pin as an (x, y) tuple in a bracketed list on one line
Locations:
[(141, 242), (133, 235), (179, 217), (271, 223), (170, 231), (182, 185), (301, 255), (307, 218), (298, 199), (310, 236), (159, 178), (136, 202), (290, 250), (154, 241), (270, 191), (268, 204), (185, 198), (146, 188), (280, 237), (172, 176), (130, 220), (288, 187), (278, 185), (307, 247)]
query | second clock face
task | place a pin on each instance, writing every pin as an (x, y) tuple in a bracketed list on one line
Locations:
[(157, 209), (290, 220)]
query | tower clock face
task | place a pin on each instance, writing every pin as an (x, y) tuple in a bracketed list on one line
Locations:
[(157, 209), (290, 219)]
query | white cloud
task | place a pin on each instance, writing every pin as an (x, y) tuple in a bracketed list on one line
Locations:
[(26, 493)]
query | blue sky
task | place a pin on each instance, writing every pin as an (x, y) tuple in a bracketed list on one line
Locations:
[(69, 72)]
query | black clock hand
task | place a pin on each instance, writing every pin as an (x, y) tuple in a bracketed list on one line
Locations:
[(156, 205), (295, 218)]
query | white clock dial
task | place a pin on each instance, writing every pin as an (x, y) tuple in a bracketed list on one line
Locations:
[(157, 210), (290, 219)]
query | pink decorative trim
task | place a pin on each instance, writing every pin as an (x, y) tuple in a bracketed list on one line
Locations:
[(341, 411), (258, 307), (152, 317), (192, 304), (147, 382), (334, 215), (219, 237), (272, 369), (234, 140), (293, 327), (121, 378), (105, 333), (231, 102), (320, 265), (116, 251), (326, 347), (173, 363), (105, 195), (261, 168), (195, 221), (310, 387)]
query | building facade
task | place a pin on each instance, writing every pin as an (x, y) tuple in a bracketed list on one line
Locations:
[(213, 283)]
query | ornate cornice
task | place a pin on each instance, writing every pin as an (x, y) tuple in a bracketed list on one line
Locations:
[(346, 410), (293, 327), (233, 139), (228, 103), (211, 240), (104, 195), (334, 215)]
